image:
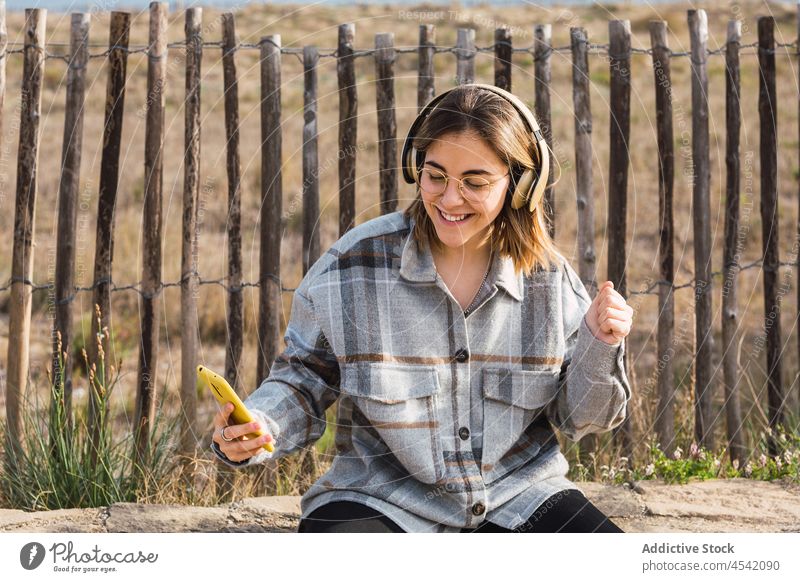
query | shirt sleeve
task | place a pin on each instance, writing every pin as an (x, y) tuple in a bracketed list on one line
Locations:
[(303, 382), (593, 387)]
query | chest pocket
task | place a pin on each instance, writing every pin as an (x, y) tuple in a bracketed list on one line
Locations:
[(512, 399), (399, 402)]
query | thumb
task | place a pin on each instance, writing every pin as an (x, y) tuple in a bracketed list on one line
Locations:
[(226, 411)]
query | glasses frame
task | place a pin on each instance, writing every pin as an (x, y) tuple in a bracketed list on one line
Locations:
[(460, 183)]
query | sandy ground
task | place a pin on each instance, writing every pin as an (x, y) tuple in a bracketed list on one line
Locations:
[(731, 505)]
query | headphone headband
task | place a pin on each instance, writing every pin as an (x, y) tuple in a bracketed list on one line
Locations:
[(530, 187)]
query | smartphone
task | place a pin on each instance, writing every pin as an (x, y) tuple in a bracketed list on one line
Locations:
[(223, 392)]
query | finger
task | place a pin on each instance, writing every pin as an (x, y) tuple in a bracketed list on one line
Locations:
[(240, 430), (221, 418), (616, 295), (220, 422), (615, 327), (619, 325), (240, 450), (616, 301), (610, 313)]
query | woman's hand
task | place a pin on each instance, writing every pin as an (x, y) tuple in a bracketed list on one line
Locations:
[(609, 317), (240, 448)]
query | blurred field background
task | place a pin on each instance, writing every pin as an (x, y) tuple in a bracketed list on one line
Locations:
[(317, 25)]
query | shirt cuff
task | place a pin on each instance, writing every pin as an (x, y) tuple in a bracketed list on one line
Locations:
[(222, 457), (593, 355)]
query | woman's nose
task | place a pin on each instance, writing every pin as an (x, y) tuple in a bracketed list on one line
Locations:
[(451, 197)]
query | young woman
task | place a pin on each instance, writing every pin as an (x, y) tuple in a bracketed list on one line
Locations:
[(455, 338)]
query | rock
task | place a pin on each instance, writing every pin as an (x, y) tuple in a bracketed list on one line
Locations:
[(57, 521), (725, 505), (280, 513), (137, 517), (745, 502), (614, 501), (11, 517)]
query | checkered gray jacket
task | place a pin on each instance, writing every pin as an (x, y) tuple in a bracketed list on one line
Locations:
[(443, 420)]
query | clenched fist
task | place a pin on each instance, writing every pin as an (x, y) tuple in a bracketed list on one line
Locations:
[(609, 317)]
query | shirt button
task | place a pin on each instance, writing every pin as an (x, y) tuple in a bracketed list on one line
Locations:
[(462, 355), (463, 432), (478, 508)]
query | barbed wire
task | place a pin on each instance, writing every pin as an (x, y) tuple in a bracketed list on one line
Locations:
[(538, 53), (136, 287)]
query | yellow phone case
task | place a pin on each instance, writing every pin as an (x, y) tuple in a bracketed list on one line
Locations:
[(223, 392)]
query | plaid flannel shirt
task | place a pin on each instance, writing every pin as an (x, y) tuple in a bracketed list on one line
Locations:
[(444, 420)]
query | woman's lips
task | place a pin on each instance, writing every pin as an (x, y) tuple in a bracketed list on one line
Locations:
[(446, 222)]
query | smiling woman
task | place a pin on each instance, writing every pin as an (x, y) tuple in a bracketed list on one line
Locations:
[(462, 210), (471, 152), (454, 337), (477, 136)]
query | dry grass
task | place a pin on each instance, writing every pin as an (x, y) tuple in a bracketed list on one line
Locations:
[(318, 25)]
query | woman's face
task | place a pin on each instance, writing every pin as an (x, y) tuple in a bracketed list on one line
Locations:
[(458, 155)]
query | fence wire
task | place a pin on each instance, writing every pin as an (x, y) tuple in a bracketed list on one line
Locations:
[(238, 288), (537, 53)]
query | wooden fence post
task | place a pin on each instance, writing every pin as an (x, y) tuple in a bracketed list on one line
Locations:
[(348, 126), (584, 195), (730, 266), (3, 57), (665, 407), (426, 75), (465, 56), (19, 326), (309, 459), (797, 174), (189, 246), (502, 57), (581, 91), (387, 124), (704, 380), (68, 216), (270, 299), (151, 229), (311, 226), (119, 35), (619, 52), (233, 350), (767, 114), (542, 49)]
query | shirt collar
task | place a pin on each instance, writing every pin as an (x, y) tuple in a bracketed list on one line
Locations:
[(416, 264)]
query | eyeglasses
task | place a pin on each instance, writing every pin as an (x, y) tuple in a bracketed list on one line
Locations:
[(473, 188)]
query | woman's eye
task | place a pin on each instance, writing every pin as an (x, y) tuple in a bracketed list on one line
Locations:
[(436, 178), (476, 185)]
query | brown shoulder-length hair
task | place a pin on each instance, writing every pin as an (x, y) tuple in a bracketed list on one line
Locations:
[(520, 233)]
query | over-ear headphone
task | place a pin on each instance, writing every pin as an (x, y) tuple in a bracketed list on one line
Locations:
[(530, 186)]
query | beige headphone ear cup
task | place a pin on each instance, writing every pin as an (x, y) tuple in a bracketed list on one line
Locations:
[(544, 174), (522, 190), (412, 163)]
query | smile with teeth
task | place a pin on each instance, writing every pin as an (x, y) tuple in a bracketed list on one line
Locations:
[(453, 217)]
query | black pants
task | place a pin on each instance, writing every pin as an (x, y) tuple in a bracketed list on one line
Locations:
[(567, 511)]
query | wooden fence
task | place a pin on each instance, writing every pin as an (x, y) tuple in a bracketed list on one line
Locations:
[(617, 53)]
